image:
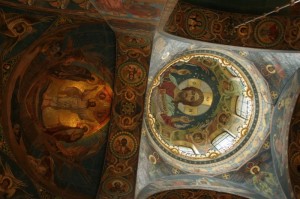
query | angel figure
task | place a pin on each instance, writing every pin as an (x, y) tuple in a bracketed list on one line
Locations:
[(17, 27), (9, 184), (72, 99)]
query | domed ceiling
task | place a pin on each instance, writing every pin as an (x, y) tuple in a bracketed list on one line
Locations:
[(73, 84), (237, 169), (202, 108), (58, 99)]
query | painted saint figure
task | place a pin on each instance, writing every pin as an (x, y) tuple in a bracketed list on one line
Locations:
[(172, 96), (66, 133), (122, 147), (71, 99), (263, 181)]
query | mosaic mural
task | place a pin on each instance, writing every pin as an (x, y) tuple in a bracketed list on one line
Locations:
[(258, 173), (131, 15), (131, 9), (58, 98), (13, 182), (185, 194), (76, 7), (205, 102), (280, 133), (294, 150), (193, 181), (276, 32), (237, 6), (196, 98), (133, 57), (277, 68), (256, 178)]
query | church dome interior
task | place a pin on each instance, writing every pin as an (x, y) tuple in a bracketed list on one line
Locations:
[(149, 99), (202, 107)]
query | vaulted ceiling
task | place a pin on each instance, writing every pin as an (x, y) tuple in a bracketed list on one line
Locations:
[(90, 105)]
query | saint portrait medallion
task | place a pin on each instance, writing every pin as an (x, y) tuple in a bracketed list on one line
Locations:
[(123, 145), (269, 32), (117, 186)]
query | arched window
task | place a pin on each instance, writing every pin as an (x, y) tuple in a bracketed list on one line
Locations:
[(186, 150), (223, 141), (243, 107)]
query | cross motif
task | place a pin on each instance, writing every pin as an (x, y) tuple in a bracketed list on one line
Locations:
[(243, 53), (226, 176), (266, 145), (175, 171), (274, 94)]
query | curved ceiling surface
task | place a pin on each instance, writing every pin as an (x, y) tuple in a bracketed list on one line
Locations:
[(202, 107), (250, 7), (190, 193), (58, 104)]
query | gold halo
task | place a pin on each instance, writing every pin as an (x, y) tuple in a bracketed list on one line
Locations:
[(251, 170)]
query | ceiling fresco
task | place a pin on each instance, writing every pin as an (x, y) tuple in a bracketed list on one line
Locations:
[(293, 152), (58, 100), (252, 6), (131, 15), (277, 68), (185, 194), (201, 94), (256, 175), (209, 110), (13, 182), (157, 170), (115, 99), (75, 7), (198, 23), (282, 152), (132, 65)]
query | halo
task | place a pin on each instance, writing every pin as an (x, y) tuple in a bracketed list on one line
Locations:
[(207, 96), (251, 170), (117, 181)]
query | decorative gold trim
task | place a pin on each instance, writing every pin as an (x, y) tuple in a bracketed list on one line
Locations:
[(222, 62)]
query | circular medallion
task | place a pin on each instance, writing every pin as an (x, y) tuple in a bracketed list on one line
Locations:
[(117, 186), (269, 32), (123, 145), (195, 23), (132, 73), (201, 108)]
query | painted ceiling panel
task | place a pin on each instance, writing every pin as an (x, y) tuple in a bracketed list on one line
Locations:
[(76, 7), (58, 77), (131, 15), (13, 181), (185, 194), (156, 167), (238, 6), (280, 131), (293, 152)]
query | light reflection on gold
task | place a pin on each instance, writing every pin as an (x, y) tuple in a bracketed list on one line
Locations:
[(208, 99), (65, 103), (154, 122), (194, 83)]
